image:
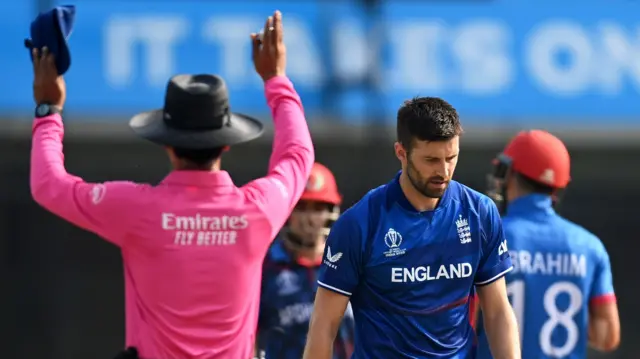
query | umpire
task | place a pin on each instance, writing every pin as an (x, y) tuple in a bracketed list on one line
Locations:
[(193, 245)]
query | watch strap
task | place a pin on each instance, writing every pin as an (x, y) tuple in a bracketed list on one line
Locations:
[(45, 109)]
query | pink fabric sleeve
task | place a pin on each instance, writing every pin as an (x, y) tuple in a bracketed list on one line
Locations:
[(101, 208), (291, 159)]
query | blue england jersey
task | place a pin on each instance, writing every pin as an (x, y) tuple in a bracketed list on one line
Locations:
[(286, 303), (410, 274), (559, 270)]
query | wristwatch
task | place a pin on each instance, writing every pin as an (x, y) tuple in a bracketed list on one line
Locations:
[(45, 109)]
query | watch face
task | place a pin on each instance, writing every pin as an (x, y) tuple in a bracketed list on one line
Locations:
[(42, 110)]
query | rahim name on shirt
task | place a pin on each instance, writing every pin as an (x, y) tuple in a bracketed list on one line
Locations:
[(547, 263)]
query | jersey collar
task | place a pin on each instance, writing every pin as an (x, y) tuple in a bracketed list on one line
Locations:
[(278, 253), (396, 195), (220, 179), (531, 203)]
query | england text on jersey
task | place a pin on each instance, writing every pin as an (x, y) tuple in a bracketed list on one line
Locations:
[(429, 273)]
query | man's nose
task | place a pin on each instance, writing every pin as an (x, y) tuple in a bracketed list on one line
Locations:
[(442, 170), (317, 218)]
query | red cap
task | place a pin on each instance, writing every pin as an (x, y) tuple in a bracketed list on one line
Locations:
[(321, 186), (541, 157)]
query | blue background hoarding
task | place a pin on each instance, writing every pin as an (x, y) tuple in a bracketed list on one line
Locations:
[(569, 63)]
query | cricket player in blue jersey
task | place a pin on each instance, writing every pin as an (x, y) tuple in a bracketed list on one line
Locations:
[(410, 252), (290, 271), (561, 286)]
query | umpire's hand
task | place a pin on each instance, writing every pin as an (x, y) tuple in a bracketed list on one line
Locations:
[(269, 52), (48, 87)]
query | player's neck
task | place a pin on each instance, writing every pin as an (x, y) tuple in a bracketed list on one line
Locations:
[(514, 192), (419, 201), (309, 258), (186, 166), (310, 255)]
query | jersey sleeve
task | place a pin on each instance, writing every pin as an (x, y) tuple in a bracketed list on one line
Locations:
[(495, 261), (342, 260), (602, 289), (291, 158), (102, 208)]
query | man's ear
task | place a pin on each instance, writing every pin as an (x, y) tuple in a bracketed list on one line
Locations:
[(401, 152)]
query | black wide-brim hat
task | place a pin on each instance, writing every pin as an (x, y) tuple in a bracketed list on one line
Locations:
[(196, 115)]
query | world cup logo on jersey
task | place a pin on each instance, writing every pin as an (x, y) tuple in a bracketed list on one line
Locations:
[(287, 283), (393, 240)]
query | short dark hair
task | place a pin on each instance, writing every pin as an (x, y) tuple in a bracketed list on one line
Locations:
[(427, 119), (532, 186), (199, 158)]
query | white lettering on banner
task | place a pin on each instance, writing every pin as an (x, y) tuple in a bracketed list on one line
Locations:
[(421, 274), (474, 57), (204, 231), (623, 58), (599, 59), (414, 49), (158, 36), (303, 58), (350, 38), (544, 46), (231, 35), (231, 32), (545, 263), (480, 48)]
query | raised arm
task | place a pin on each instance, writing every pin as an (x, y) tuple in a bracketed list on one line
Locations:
[(293, 155), (99, 208)]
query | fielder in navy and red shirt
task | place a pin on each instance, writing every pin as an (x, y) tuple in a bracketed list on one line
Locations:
[(290, 273), (408, 255)]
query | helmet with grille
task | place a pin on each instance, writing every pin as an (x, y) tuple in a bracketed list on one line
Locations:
[(536, 155), (317, 210)]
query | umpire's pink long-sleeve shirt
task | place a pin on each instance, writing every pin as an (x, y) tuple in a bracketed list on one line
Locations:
[(193, 245)]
